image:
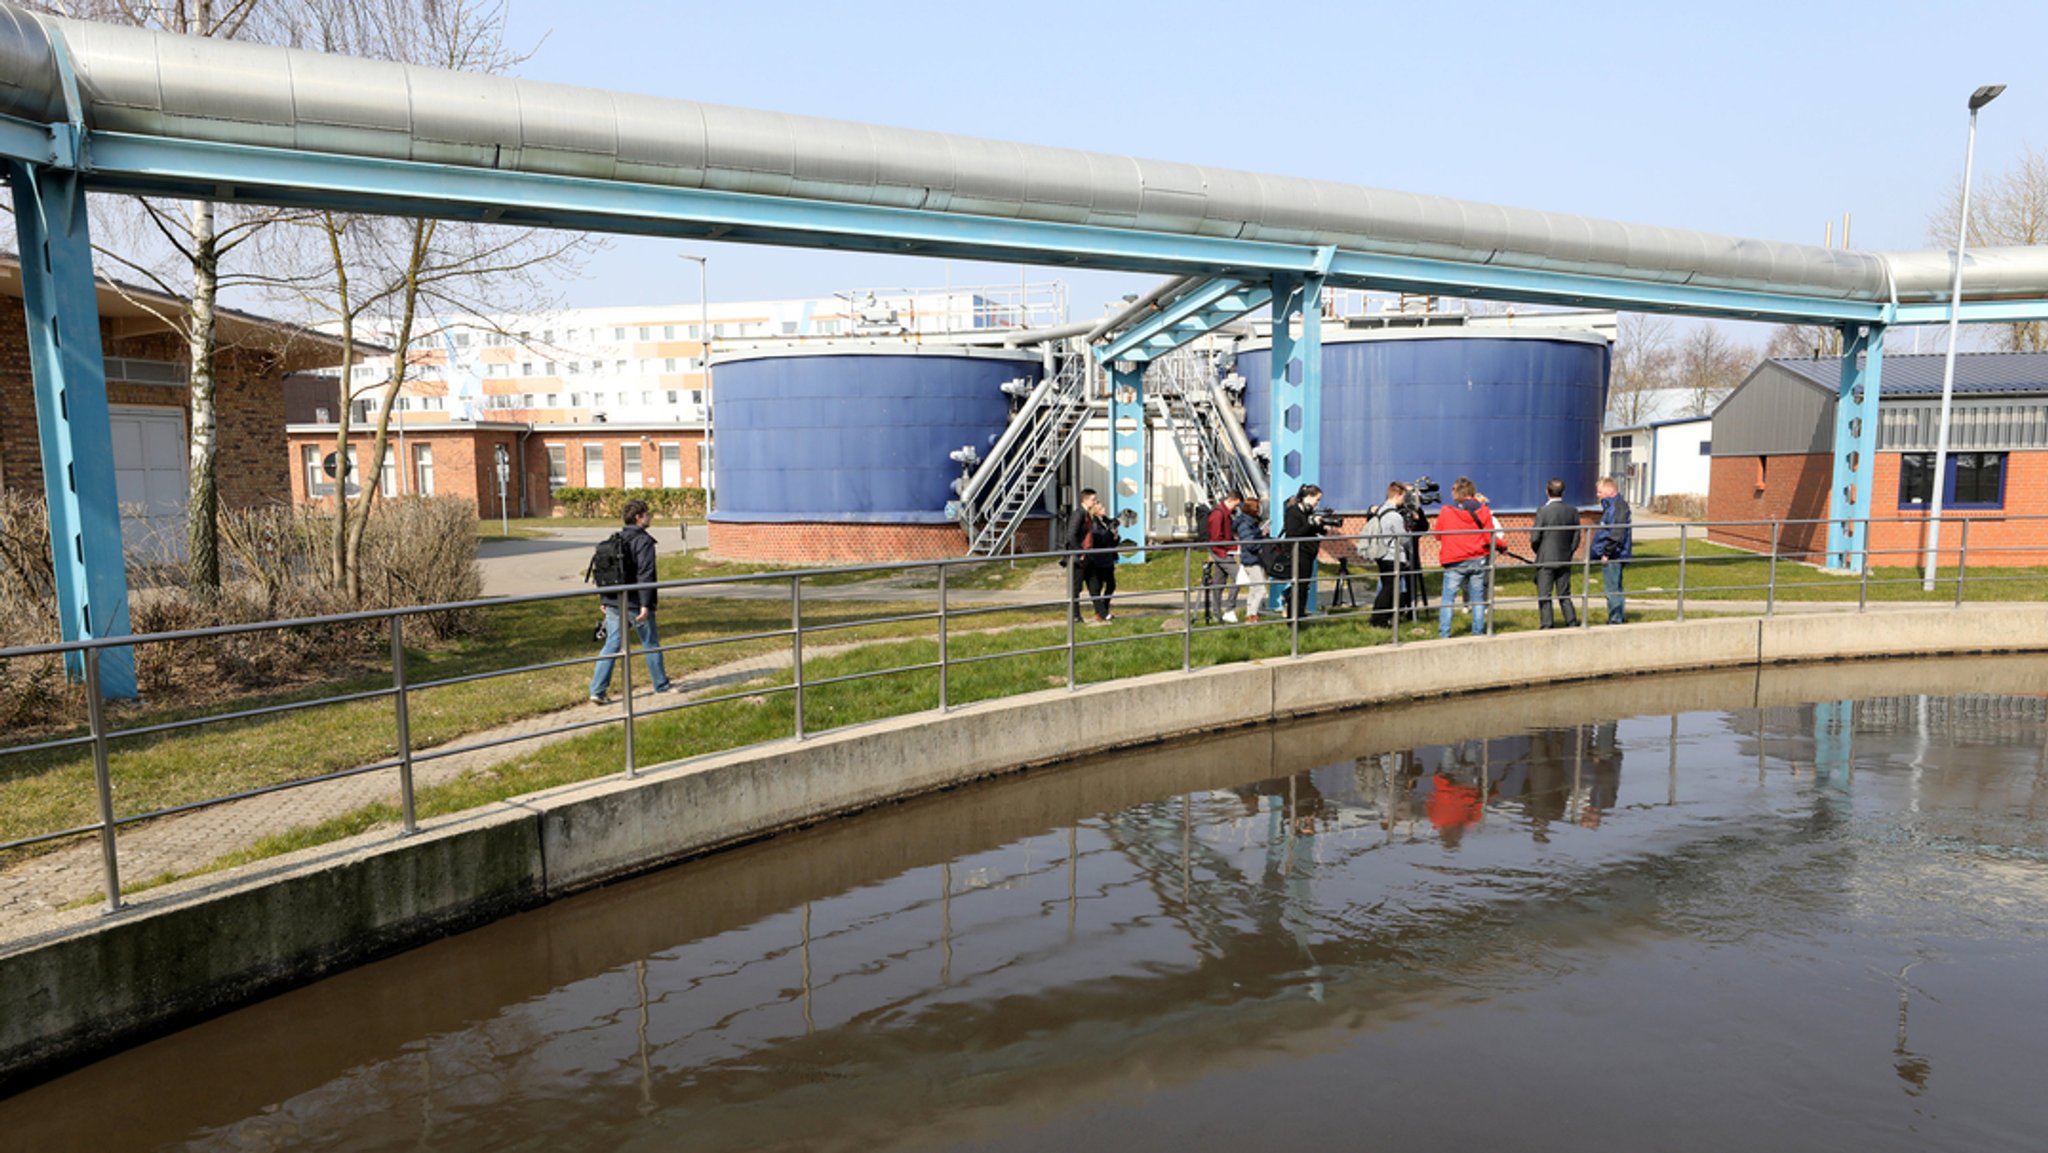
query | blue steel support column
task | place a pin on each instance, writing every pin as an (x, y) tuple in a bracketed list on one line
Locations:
[(1130, 491), (58, 296), (1849, 497), (1297, 421)]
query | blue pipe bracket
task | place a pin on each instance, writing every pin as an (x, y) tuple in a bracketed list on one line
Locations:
[(1849, 497), (1129, 492), (62, 307)]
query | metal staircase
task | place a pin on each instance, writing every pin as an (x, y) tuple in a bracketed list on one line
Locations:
[(996, 497), (1207, 435)]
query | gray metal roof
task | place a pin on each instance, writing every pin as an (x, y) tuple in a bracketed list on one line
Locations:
[(1977, 373)]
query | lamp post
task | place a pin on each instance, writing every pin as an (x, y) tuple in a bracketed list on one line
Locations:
[(704, 350), (1978, 99)]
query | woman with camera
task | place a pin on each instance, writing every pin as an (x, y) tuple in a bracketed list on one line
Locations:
[(1299, 520), (1099, 539)]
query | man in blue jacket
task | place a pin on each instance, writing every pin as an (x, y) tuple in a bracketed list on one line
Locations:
[(1613, 545)]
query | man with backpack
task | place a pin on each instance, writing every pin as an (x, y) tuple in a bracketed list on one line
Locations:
[(1385, 546), (627, 558), (1221, 571)]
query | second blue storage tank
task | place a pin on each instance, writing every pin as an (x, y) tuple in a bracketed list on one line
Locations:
[(1509, 410), (856, 433)]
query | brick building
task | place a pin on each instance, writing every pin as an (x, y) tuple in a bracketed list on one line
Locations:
[(459, 458), (149, 404), (1773, 458)]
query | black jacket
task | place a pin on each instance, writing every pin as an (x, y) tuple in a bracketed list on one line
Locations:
[(1556, 533), (1294, 523), (639, 567)]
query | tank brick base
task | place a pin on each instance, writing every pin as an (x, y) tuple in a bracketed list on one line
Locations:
[(836, 542)]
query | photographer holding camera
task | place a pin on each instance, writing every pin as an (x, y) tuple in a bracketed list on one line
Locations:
[(1466, 534), (1301, 519)]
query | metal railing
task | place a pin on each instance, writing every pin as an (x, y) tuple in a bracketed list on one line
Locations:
[(1190, 602)]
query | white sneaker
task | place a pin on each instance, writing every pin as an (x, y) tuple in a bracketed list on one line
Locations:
[(1230, 618)]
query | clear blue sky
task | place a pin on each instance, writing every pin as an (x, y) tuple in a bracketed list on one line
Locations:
[(1756, 119)]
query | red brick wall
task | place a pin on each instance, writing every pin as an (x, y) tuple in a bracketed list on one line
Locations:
[(820, 543), (1795, 487), (249, 401), (1790, 487)]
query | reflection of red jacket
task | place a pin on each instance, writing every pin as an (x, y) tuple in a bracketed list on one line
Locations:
[(1453, 805), (1468, 544)]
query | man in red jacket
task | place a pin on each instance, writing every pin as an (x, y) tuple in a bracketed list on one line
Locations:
[(1466, 534), (1221, 579)]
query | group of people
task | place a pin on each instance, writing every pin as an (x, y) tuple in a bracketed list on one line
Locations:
[(1242, 556)]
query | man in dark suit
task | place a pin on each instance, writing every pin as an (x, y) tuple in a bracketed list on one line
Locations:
[(1556, 537)]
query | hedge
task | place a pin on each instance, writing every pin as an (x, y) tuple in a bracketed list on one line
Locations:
[(611, 502)]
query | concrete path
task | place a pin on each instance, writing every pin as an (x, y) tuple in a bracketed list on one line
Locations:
[(555, 563), (34, 891)]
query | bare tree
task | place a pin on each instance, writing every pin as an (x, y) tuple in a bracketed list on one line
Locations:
[(1644, 360), (163, 243), (1801, 341), (1709, 367), (391, 278), (2006, 208)]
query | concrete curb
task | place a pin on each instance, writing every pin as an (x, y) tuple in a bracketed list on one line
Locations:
[(204, 946)]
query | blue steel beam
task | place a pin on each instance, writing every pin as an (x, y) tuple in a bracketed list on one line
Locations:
[(1849, 499), (1297, 391), (1192, 306), (62, 307), (1973, 312), (131, 163), (1130, 492), (1202, 323)]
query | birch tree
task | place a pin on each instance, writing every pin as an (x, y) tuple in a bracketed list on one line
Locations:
[(2006, 208), (1641, 369)]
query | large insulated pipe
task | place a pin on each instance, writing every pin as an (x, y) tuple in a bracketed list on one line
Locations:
[(159, 84)]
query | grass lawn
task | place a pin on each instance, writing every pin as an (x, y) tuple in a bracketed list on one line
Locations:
[(1717, 572), (46, 791)]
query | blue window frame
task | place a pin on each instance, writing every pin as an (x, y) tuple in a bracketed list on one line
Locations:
[(1975, 480)]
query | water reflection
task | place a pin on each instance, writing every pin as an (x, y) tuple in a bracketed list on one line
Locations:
[(1122, 954)]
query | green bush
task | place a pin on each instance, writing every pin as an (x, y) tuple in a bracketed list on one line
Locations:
[(610, 502)]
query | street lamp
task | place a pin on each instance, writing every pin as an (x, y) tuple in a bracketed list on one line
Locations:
[(1978, 99), (704, 351)]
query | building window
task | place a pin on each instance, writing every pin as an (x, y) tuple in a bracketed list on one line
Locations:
[(558, 466), (694, 332), (668, 364), (575, 400), (668, 332), (647, 367), (618, 334), (646, 333), (554, 400), (593, 466), (387, 476), (462, 340), (647, 396), (629, 456), (618, 366), (316, 480), (575, 367), (526, 368), (551, 369), (671, 466), (423, 469), (696, 398), (1975, 480), (673, 395), (718, 331), (526, 401), (1706, 448)]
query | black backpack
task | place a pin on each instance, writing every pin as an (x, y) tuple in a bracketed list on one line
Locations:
[(608, 563)]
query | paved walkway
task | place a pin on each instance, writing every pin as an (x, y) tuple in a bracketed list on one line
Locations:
[(35, 891)]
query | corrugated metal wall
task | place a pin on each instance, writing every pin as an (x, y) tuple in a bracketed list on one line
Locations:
[(1989, 424), (1774, 412)]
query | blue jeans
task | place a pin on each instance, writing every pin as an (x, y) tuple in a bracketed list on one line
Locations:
[(601, 676), (1469, 575), (1610, 582)]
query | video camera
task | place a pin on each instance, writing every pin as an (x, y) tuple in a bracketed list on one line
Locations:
[(1423, 491)]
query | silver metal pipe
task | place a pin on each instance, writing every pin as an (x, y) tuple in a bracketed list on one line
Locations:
[(403, 714), (134, 80), (102, 779)]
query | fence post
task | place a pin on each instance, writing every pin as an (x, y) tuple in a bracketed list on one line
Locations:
[(1187, 607), (1492, 604), (796, 646), (1962, 561), (1400, 553), (626, 679), (1296, 604), (944, 651), (1682, 542), (1586, 581), (102, 779), (1771, 596), (404, 714), (1863, 577)]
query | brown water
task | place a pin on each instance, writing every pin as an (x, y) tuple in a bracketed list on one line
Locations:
[(1687, 913)]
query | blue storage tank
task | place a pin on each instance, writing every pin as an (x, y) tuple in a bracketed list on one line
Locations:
[(1508, 410), (854, 433)]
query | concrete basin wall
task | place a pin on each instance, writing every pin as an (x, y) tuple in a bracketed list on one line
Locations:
[(206, 945)]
